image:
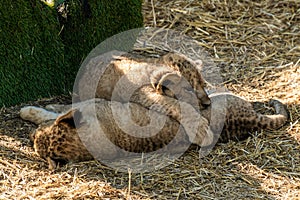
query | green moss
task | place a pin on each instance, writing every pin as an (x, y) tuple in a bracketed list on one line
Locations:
[(85, 29), (31, 51), (40, 55)]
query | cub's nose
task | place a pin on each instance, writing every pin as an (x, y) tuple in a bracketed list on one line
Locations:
[(205, 101)]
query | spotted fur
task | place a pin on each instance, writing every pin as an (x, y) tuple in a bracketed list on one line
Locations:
[(240, 117), (169, 80), (57, 140), (95, 123), (110, 76)]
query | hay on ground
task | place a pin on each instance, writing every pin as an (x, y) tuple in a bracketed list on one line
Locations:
[(256, 44)]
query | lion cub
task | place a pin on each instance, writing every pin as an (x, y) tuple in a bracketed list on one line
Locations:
[(126, 77), (62, 138), (110, 130)]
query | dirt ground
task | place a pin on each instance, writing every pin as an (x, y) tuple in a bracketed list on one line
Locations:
[(256, 45)]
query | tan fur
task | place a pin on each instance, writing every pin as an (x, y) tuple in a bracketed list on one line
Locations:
[(60, 141), (191, 71), (125, 78), (165, 91), (233, 118), (113, 78), (240, 116)]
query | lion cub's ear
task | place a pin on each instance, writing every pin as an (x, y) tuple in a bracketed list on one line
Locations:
[(72, 118), (166, 82), (169, 78)]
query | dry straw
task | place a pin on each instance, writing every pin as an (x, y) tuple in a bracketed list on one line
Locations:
[(256, 44)]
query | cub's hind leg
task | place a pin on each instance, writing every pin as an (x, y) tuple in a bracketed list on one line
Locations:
[(37, 115), (58, 108), (240, 118), (277, 120)]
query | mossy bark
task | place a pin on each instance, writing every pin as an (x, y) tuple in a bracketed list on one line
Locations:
[(41, 52)]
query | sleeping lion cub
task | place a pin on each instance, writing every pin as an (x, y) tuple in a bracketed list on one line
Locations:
[(57, 138)]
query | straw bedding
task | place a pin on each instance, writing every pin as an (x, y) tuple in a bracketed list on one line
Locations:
[(256, 44)]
